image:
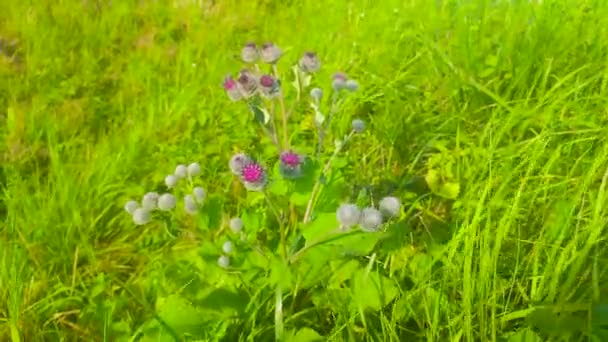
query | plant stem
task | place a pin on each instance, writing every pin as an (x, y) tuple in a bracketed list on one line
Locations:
[(317, 187), (281, 225), (283, 110)]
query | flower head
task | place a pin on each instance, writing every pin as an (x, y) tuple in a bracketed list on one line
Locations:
[(130, 206), (236, 224), (270, 53), (371, 220), (269, 86), (232, 89), (190, 205), (238, 161), (309, 62), (181, 171), (316, 94), (247, 83), (199, 194), (228, 247), (351, 85), (171, 181), (166, 202), (194, 170), (338, 81), (290, 165), (253, 176), (358, 125), (149, 201), (223, 261), (141, 216), (348, 215), (390, 206), (249, 53)]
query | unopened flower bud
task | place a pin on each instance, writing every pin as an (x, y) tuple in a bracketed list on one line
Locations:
[(309, 62), (170, 181), (390, 206), (232, 89), (149, 201), (181, 171), (371, 220), (270, 53), (194, 170), (352, 85), (166, 202), (316, 94), (228, 247), (348, 215), (190, 205), (130, 206), (141, 216), (199, 194), (250, 53), (358, 125), (223, 261), (338, 81), (236, 224), (237, 162)]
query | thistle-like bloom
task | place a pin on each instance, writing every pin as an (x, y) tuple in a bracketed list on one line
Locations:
[(270, 53), (199, 194), (247, 83), (249, 53), (166, 202), (358, 125), (190, 205), (351, 85), (238, 161), (390, 206), (130, 206), (171, 181), (223, 261), (338, 81), (228, 247), (371, 220), (253, 176), (348, 215), (269, 86), (149, 201), (181, 171), (236, 224), (232, 89), (194, 170), (309, 62), (290, 165), (316, 94), (141, 216)]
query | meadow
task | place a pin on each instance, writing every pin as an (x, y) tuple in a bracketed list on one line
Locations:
[(486, 119)]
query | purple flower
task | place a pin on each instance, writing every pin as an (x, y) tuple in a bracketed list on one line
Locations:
[(339, 81), (310, 62), (290, 165), (247, 83), (270, 53), (249, 53), (232, 89), (253, 176), (269, 86)]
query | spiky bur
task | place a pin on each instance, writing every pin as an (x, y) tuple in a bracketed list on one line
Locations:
[(232, 89), (269, 86), (171, 181), (250, 53), (130, 206), (141, 216), (199, 194), (166, 202), (194, 170), (371, 219), (290, 165), (247, 83), (338, 81), (316, 94), (181, 171), (238, 162), (253, 177), (390, 206), (228, 247), (358, 125), (149, 201), (223, 261), (348, 215), (236, 224), (190, 205), (309, 62), (270, 53)]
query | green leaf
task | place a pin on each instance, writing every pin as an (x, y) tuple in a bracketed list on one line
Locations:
[(323, 225), (372, 290), (180, 315), (449, 190), (223, 303), (280, 273), (305, 335), (524, 335)]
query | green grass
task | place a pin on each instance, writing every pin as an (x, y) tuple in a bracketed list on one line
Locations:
[(508, 99)]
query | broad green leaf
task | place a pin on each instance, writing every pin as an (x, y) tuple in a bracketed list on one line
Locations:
[(223, 303), (524, 335), (449, 190), (280, 273), (180, 315), (342, 271), (372, 290), (323, 225), (305, 335)]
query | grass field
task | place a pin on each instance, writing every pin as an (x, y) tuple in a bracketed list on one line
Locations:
[(487, 119)]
